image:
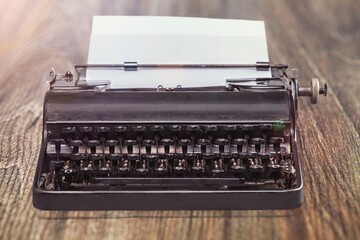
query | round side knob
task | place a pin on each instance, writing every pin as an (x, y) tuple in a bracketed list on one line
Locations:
[(313, 91)]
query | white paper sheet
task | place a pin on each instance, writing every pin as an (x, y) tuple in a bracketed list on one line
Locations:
[(119, 39)]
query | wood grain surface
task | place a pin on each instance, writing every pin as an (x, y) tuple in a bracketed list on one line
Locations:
[(320, 38)]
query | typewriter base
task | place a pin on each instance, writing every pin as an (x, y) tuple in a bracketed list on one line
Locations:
[(172, 200)]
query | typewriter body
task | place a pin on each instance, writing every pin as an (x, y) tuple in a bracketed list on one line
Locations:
[(221, 147)]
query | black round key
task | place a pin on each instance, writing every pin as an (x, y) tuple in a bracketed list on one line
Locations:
[(239, 142), (133, 157), (221, 142), (93, 144), (139, 128), (208, 157), (246, 127), (111, 144), (257, 142), (156, 128), (193, 128), (76, 144), (276, 142), (167, 142), (229, 128), (210, 128), (114, 157), (256, 168), (226, 155), (68, 130), (203, 142), (265, 127), (103, 129), (95, 157), (57, 142), (148, 143), (85, 129), (130, 143), (77, 156), (184, 143), (264, 155), (120, 129), (244, 155), (175, 128), (56, 164), (150, 157)]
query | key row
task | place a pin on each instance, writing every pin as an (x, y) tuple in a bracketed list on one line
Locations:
[(174, 128), (169, 131), (246, 168), (164, 145)]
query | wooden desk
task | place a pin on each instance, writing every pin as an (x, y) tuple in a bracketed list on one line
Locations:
[(319, 37)]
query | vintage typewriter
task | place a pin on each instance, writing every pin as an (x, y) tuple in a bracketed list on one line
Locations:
[(220, 147)]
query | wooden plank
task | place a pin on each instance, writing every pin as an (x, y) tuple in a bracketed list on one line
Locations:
[(319, 37)]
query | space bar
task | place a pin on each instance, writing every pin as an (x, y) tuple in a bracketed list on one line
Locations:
[(167, 181)]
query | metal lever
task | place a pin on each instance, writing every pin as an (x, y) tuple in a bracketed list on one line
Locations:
[(313, 91)]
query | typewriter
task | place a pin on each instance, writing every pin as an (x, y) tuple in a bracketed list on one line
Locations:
[(220, 147)]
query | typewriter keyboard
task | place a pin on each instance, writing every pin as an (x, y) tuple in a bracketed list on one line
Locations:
[(250, 156)]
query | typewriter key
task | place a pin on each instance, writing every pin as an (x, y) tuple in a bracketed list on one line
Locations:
[(85, 129), (103, 129), (217, 170), (156, 128), (180, 167), (203, 143), (162, 167), (193, 128), (166, 142), (210, 128), (198, 168), (175, 128), (185, 143), (276, 141), (93, 144), (130, 143), (120, 129), (68, 130), (111, 144), (139, 129), (257, 142), (221, 142), (239, 142), (142, 170), (76, 144), (148, 143), (57, 142), (124, 168)]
